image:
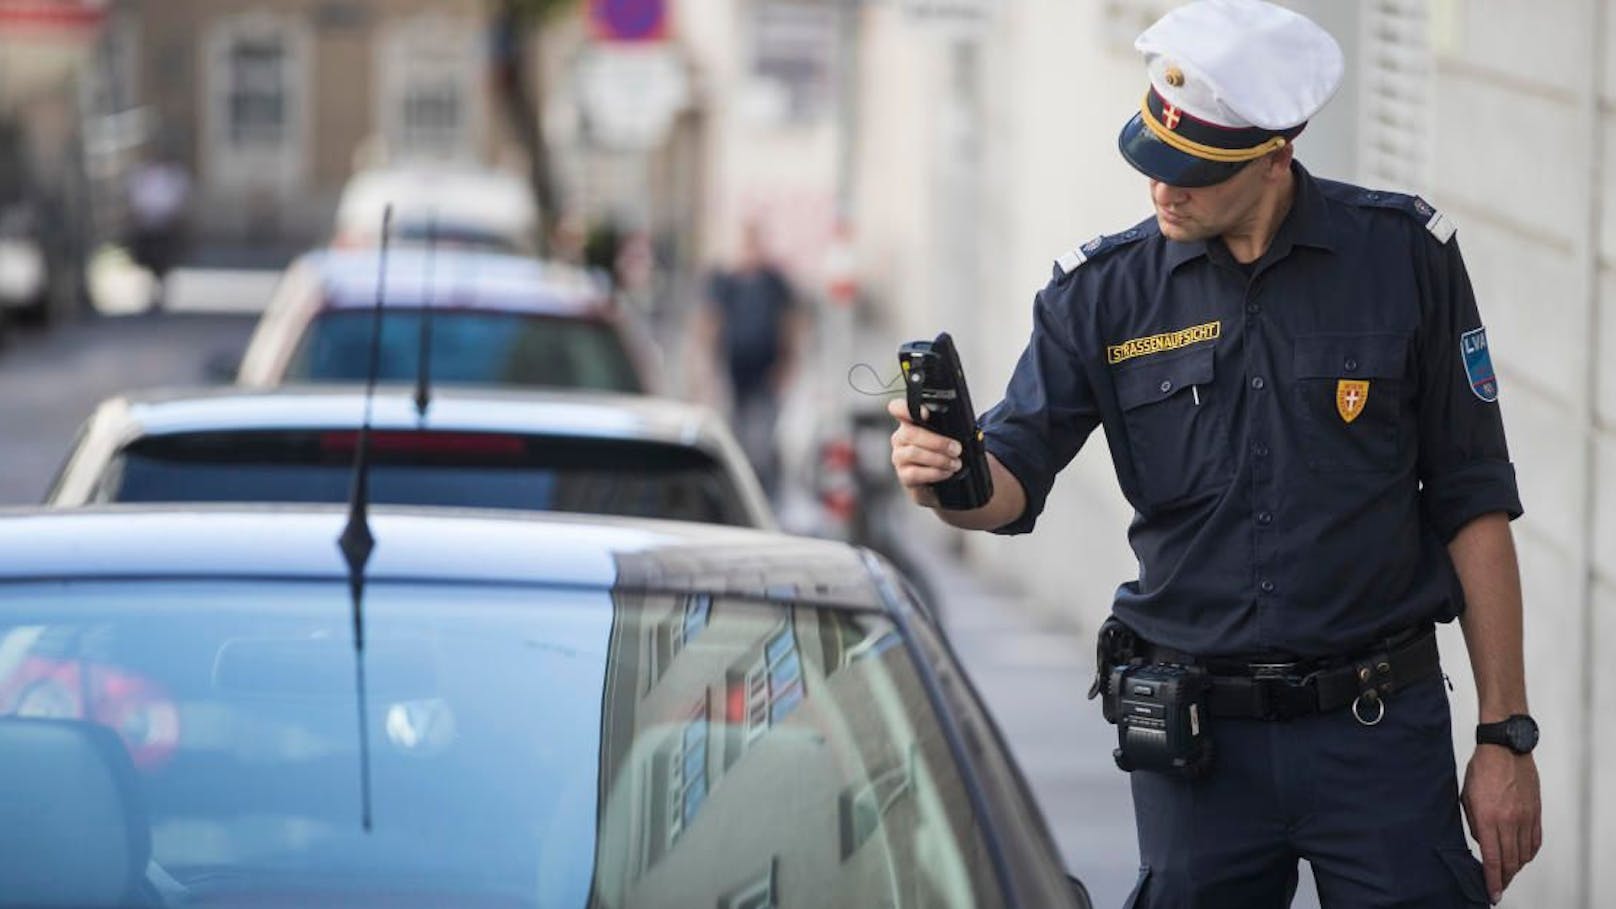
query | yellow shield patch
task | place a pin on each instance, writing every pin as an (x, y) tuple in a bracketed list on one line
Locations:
[(1350, 397)]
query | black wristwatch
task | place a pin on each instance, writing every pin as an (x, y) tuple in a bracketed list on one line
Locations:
[(1518, 733)]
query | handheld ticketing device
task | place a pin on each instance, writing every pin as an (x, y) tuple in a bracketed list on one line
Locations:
[(933, 379)]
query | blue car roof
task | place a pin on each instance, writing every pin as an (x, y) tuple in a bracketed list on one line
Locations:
[(432, 545)]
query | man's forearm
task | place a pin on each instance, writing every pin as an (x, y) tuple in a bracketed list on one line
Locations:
[(1008, 502), (1483, 554)]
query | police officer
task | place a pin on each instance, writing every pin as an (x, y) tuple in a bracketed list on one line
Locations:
[(1299, 402)]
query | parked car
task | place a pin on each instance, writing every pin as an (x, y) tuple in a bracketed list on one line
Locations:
[(24, 270), (556, 712), (494, 320), (560, 451), (458, 205)]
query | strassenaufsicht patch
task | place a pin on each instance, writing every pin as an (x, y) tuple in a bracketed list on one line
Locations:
[(1478, 364)]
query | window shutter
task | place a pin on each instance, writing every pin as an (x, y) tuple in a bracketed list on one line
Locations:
[(1394, 108)]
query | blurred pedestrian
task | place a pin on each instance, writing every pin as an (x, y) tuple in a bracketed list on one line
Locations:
[(1298, 396), (752, 325), (158, 192)]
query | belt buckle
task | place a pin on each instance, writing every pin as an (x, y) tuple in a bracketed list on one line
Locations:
[(1277, 682)]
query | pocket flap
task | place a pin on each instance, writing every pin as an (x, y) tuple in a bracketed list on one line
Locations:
[(1161, 377), (1381, 355)]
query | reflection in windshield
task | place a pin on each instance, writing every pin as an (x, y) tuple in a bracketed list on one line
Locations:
[(530, 747), (774, 757)]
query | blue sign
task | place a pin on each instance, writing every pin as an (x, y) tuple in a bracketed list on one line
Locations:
[(629, 20)]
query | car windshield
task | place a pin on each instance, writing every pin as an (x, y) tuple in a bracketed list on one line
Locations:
[(198, 743), (468, 347), (473, 470)]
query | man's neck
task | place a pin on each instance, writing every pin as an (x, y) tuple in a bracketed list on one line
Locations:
[(1251, 238)]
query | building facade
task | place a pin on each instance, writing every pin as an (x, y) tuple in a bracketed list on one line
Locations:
[(273, 104)]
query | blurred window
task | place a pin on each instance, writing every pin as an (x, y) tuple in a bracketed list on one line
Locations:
[(432, 115), (537, 473), (477, 348), (514, 751), (430, 81), (258, 87)]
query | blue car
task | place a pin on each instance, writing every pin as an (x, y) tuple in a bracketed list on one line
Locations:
[(556, 711)]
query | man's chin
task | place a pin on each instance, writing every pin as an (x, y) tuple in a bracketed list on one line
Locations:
[(1178, 231)]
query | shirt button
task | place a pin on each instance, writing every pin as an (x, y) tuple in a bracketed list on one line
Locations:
[(1267, 586), (1258, 383), (1260, 450), (1265, 518), (1166, 386), (1130, 233), (1253, 308), (1350, 365)]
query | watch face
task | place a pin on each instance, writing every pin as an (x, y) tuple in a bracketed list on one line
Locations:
[(1522, 732)]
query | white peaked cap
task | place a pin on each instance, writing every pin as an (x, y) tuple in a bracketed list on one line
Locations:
[(1242, 63)]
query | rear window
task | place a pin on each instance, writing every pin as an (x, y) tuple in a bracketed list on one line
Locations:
[(527, 748), (472, 348), (471, 470)]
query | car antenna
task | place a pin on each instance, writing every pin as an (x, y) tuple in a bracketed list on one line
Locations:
[(423, 374), (356, 541)]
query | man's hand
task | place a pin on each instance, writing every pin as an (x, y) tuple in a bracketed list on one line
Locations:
[(1505, 811), (921, 457)]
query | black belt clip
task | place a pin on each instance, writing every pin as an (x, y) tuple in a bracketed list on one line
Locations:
[(1282, 692), (1375, 680)]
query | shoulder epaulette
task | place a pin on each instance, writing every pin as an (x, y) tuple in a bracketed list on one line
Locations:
[(1440, 225), (1095, 248)]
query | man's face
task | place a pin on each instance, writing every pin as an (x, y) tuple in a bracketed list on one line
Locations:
[(1192, 214)]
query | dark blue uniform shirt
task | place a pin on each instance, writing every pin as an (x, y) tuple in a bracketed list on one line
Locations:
[(1299, 438)]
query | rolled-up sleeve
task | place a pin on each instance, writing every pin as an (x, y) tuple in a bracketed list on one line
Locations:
[(1464, 467), (1047, 412)]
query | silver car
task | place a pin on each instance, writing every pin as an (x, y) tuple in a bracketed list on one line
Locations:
[(543, 451), (494, 320)]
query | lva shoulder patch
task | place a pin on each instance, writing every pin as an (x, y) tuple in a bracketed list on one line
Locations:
[(1478, 364), (1094, 249), (1439, 224)]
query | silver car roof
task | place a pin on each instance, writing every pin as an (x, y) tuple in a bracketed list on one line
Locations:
[(581, 413), (431, 545), (120, 420), (458, 278)]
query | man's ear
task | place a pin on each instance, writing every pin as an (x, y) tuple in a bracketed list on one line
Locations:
[(1279, 162)]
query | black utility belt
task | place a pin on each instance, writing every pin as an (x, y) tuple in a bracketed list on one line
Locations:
[(1162, 701), (1285, 691)]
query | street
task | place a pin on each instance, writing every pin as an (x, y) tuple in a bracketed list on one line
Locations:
[(50, 381)]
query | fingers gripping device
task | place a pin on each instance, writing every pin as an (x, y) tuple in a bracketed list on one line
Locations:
[(934, 382)]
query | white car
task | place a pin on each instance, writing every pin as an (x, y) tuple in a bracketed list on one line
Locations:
[(585, 453), (23, 270), (462, 206)]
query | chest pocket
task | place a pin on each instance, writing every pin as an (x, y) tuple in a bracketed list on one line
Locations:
[(1350, 390), (1177, 425)]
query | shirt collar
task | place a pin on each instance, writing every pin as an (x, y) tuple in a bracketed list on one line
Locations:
[(1306, 224)]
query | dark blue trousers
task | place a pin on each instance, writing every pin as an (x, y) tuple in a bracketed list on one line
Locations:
[(1375, 809)]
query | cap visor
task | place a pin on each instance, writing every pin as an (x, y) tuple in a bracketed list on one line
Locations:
[(1160, 161)]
